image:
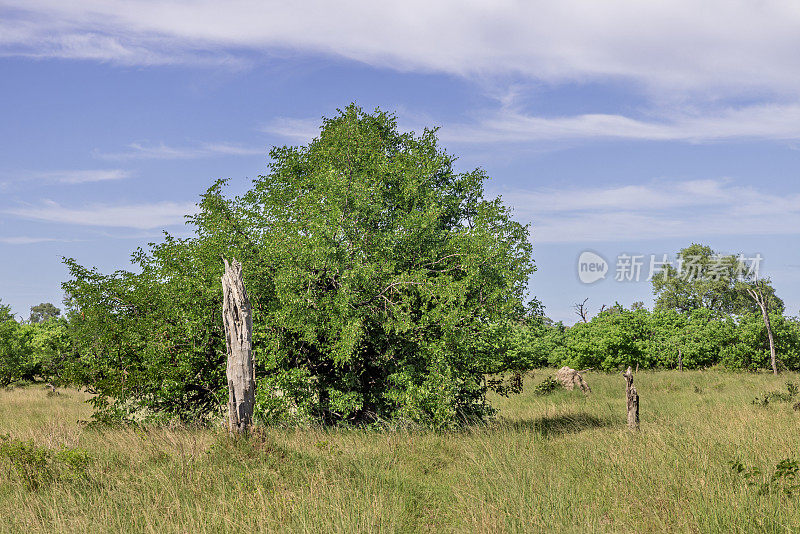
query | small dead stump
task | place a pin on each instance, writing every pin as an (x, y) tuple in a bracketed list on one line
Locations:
[(569, 378), (632, 399)]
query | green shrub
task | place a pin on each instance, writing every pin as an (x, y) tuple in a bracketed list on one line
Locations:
[(777, 396), (35, 465), (546, 386), (784, 478)]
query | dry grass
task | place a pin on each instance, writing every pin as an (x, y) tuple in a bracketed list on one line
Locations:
[(556, 463)]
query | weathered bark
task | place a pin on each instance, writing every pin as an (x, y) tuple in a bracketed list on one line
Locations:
[(632, 398), (238, 319), (758, 295), (569, 378), (772, 356)]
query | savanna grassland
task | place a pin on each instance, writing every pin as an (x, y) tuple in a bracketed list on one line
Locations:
[(558, 462)]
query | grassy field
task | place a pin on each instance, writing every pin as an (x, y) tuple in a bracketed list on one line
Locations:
[(560, 463)]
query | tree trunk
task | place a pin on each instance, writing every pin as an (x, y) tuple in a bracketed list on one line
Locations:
[(680, 359), (761, 300), (632, 399), (773, 358), (238, 319)]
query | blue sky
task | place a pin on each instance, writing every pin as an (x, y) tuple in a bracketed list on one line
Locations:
[(618, 127)]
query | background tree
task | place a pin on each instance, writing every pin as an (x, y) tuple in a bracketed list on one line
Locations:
[(43, 312), (14, 348), (50, 351), (711, 281), (613, 339)]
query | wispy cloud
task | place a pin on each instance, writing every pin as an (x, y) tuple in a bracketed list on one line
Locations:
[(137, 151), (139, 216), (773, 121), (77, 176), (296, 129), (779, 122), (659, 209), (37, 35), (25, 240)]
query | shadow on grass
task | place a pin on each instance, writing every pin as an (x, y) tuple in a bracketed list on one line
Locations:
[(558, 425)]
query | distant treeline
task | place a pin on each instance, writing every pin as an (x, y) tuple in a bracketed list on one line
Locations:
[(660, 339)]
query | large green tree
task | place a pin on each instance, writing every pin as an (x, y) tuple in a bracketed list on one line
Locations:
[(376, 272)]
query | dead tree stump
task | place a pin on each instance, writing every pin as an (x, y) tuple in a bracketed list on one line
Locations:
[(633, 400), (238, 319)]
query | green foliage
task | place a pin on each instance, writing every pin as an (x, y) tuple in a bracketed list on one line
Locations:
[(777, 396), (784, 478), (36, 465), (748, 347), (150, 342), (614, 339), (14, 348), (709, 281), (34, 350), (703, 317), (618, 337), (379, 278), (546, 386), (49, 351), (43, 312)]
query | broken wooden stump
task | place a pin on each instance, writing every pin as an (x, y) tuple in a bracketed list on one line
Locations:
[(632, 399), (238, 319), (569, 378)]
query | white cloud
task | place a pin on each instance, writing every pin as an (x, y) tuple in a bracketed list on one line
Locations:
[(779, 122), (137, 151), (660, 209), (79, 176), (299, 130), (767, 121), (139, 216), (666, 46), (36, 35), (24, 240), (675, 52)]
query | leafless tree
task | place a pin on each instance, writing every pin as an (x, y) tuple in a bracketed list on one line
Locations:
[(756, 291), (580, 309)]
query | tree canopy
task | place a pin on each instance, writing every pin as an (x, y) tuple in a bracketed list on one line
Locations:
[(43, 312), (709, 280)]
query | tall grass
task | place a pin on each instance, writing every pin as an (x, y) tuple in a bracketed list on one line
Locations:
[(555, 463)]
